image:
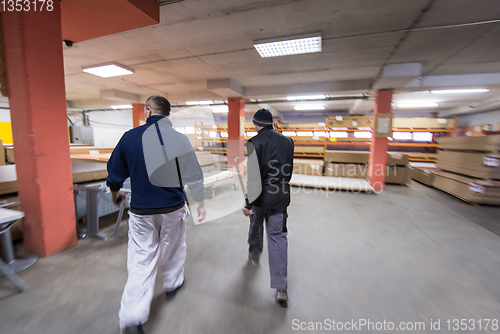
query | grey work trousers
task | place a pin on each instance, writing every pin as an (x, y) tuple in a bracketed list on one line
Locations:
[(277, 242)]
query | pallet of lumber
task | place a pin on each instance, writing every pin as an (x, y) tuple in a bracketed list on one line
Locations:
[(424, 175), (482, 144), (469, 189), (475, 164)]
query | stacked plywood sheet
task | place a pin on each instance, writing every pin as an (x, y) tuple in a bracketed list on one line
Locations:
[(355, 164), (83, 171), (469, 168), (308, 167), (425, 175)]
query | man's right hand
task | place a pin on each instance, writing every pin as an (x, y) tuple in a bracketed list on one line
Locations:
[(202, 212), (117, 197)]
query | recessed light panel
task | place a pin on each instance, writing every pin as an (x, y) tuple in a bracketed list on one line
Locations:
[(291, 46), (108, 70)]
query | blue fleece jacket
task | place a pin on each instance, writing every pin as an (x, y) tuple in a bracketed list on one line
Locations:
[(129, 160)]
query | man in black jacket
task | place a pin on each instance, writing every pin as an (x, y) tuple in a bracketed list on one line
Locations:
[(270, 165)]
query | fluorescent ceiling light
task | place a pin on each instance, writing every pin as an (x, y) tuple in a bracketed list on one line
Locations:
[(416, 104), (309, 97), (460, 91), (108, 70), (291, 46), (310, 107), (220, 109), (195, 103), (123, 106)]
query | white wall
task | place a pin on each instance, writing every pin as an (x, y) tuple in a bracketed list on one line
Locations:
[(491, 117), (109, 126), (5, 115)]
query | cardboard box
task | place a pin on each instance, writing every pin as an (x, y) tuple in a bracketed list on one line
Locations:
[(468, 189), (356, 157), (483, 143), (2, 153), (475, 164), (308, 167), (423, 123), (423, 175)]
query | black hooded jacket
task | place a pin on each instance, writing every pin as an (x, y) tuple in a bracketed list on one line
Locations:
[(274, 153)]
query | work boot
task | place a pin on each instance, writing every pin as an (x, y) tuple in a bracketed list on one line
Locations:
[(281, 296), (133, 330), (254, 262)]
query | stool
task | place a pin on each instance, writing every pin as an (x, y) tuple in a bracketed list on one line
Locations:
[(11, 266)]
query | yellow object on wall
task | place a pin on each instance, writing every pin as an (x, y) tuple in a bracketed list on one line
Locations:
[(6, 132)]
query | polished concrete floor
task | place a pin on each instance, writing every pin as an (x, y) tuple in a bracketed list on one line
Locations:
[(411, 254)]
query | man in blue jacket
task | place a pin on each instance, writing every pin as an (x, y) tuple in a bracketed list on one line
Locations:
[(159, 162)]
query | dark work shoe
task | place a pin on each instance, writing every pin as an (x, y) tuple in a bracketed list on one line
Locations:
[(133, 330), (281, 296), (172, 293), (254, 262)]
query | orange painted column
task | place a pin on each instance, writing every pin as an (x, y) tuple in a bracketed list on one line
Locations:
[(235, 132), (137, 113), (378, 148), (37, 100)]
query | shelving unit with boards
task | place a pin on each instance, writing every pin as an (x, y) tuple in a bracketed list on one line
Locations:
[(213, 138), (416, 137)]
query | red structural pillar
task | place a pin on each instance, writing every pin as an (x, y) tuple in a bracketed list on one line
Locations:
[(378, 148), (137, 113), (235, 131), (37, 100)]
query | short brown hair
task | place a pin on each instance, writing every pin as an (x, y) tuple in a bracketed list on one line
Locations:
[(158, 104)]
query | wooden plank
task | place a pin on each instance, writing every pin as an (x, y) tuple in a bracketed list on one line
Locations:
[(92, 157)]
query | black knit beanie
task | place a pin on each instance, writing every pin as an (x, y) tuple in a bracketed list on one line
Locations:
[(264, 118)]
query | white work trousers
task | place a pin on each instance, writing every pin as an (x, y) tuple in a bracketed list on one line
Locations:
[(145, 234)]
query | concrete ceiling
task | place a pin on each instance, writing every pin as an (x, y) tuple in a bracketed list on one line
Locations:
[(199, 45)]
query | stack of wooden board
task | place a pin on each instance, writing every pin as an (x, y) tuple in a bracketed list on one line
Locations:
[(469, 168), (78, 150), (355, 164), (308, 167), (425, 175), (83, 171)]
